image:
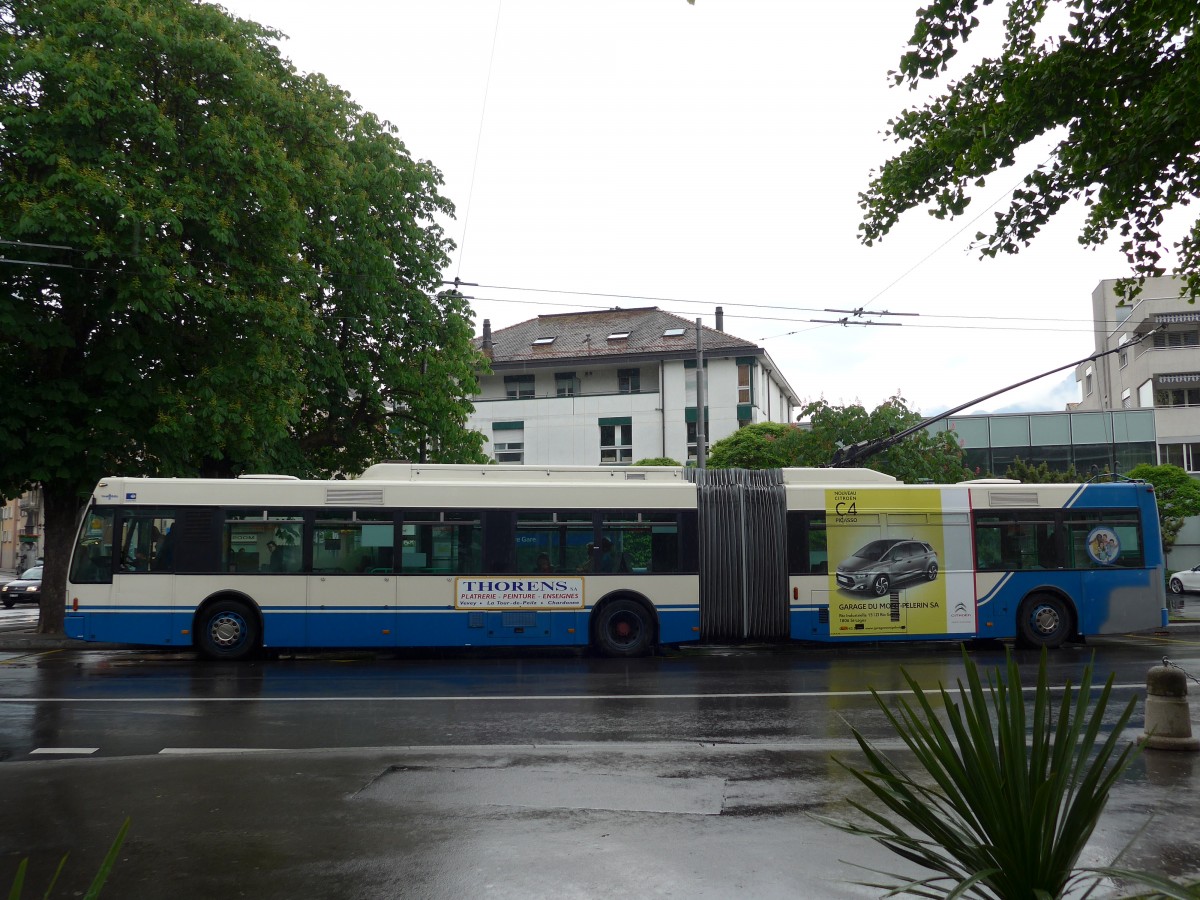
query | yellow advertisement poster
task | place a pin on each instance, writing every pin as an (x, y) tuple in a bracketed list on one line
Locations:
[(889, 552)]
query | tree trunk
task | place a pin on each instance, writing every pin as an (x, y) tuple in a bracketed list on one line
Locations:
[(63, 511)]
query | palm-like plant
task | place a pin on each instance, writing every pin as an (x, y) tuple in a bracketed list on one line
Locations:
[(93, 892), (1010, 799)]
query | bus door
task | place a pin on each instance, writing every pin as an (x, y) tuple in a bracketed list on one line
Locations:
[(352, 586), (143, 592)]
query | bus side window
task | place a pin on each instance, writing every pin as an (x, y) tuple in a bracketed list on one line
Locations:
[(143, 541)]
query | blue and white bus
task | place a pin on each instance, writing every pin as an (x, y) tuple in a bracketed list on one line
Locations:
[(621, 559)]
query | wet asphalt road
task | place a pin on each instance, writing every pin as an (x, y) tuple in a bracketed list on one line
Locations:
[(554, 775)]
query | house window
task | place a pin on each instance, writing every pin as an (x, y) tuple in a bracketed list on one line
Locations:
[(518, 387), (1146, 394), (508, 442), (745, 388), (1126, 399), (1176, 340), (1186, 456), (616, 442), (566, 384), (510, 451), (1177, 397), (1087, 381), (629, 381)]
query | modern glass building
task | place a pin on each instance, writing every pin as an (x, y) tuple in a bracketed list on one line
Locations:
[(1093, 442)]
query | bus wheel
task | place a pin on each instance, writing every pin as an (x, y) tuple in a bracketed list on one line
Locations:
[(227, 630), (1043, 621), (881, 585), (623, 628)]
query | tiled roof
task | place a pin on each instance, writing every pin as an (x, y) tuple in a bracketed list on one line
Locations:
[(587, 335)]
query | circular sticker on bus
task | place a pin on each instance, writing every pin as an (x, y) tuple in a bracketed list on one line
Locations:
[(1103, 546)]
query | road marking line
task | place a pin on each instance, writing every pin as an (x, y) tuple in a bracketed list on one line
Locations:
[(201, 751), (65, 751), (28, 656), (1171, 640), (524, 698)]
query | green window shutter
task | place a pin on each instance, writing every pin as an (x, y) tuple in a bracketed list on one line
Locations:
[(617, 420), (747, 361), (744, 412), (689, 414), (507, 426)]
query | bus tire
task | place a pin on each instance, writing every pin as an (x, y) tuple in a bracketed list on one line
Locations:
[(1043, 621), (623, 628), (227, 630)]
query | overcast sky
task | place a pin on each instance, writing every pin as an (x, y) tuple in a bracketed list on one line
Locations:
[(695, 156)]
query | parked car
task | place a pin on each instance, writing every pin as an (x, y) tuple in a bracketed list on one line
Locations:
[(26, 589), (1186, 582), (879, 565)]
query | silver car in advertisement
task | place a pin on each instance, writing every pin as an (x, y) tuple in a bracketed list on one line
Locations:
[(876, 567)]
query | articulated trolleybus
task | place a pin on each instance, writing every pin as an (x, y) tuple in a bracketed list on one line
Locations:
[(621, 559)]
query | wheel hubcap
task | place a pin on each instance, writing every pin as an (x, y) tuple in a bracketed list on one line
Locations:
[(1046, 620), (227, 630)]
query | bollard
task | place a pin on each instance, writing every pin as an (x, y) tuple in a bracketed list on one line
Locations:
[(1168, 721)]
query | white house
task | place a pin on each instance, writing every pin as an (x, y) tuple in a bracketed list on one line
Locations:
[(619, 385)]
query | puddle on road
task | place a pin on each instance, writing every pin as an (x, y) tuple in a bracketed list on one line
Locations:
[(539, 789)]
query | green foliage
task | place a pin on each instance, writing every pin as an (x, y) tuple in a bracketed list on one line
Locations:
[(106, 867), (768, 445), (658, 461), (919, 457), (1118, 93), (765, 445), (1040, 474), (249, 269), (1177, 495), (1008, 797)]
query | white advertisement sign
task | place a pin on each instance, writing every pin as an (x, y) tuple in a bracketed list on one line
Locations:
[(518, 593)]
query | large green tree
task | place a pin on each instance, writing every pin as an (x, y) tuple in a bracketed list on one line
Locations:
[(1177, 495), (764, 445), (919, 457), (1119, 92), (211, 263), (922, 456)]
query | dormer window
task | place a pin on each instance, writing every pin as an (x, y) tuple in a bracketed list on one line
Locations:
[(543, 342)]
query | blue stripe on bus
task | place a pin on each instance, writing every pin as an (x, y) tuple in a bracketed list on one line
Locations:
[(353, 627)]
